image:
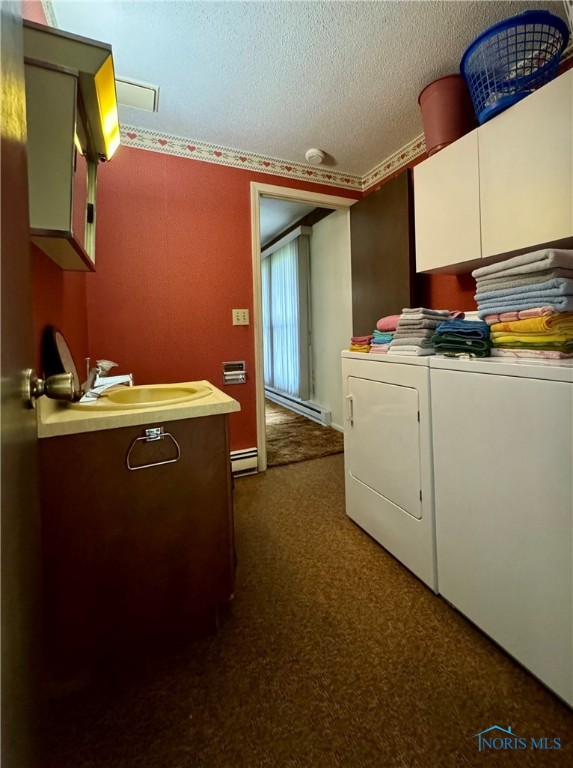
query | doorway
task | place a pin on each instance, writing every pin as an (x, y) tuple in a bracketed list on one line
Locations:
[(332, 288)]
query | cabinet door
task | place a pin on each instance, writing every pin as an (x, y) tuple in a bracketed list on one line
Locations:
[(134, 558), (382, 247), (383, 443), (446, 196), (526, 171)]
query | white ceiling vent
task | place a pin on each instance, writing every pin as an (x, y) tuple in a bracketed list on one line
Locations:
[(139, 95)]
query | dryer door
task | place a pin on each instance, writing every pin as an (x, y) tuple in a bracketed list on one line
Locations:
[(383, 441)]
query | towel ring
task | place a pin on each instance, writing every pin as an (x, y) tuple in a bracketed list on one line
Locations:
[(151, 435)]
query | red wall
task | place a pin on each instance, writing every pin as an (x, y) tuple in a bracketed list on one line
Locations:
[(173, 259), (59, 299), (33, 11)]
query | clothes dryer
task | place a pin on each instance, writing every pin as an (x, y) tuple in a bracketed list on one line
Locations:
[(387, 450)]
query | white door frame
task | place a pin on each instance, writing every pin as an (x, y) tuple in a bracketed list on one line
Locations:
[(284, 193)]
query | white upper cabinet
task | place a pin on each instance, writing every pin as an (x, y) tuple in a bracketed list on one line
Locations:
[(526, 171), (513, 176), (446, 205)]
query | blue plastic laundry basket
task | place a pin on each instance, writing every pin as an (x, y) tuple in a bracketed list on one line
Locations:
[(512, 59)]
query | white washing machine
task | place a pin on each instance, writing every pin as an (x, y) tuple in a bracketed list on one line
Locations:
[(387, 453), (503, 475)]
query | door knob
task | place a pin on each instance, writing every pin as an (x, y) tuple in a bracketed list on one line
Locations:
[(58, 387)]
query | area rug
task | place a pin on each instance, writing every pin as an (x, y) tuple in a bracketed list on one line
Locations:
[(292, 437)]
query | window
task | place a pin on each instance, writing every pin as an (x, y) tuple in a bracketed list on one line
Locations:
[(286, 337)]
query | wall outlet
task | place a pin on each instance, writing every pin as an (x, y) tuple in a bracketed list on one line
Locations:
[(240, 317)]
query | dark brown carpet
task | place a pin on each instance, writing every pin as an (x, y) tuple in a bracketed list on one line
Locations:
[(292, 437), (333, 655)]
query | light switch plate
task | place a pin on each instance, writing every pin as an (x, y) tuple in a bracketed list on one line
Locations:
[(240, 317)]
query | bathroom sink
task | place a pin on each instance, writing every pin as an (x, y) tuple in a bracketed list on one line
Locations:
[(145, 396)]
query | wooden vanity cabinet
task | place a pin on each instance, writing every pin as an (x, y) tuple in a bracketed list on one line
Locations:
[(134, 558)]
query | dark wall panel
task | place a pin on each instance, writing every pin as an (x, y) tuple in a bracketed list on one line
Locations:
[(382, 244)]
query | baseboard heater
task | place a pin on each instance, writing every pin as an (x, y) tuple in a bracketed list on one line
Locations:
[(304, 407), (244, 462)]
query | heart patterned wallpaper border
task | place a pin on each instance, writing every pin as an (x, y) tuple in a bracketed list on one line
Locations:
[(142, 138)]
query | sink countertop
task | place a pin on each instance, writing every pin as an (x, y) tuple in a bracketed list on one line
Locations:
[(55, 418)]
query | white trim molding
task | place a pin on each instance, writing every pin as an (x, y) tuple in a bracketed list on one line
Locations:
[(153, 141), (307, 408), (292, 235), (284, 193), (395, 162), (165, 143), (50, 13)]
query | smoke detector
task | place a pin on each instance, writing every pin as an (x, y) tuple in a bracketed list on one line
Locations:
[(314, 156)]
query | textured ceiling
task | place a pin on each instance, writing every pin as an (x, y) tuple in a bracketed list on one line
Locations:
[(276, 78), (276, 215)]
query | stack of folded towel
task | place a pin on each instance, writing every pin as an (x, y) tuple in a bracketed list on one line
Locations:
[(380, 342), (460, 338), (383, 334), (545, 334), (360, 343), (416, 328), (528, 303)]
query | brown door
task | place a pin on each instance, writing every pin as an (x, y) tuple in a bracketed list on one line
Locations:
[(20, 520), (382, 247)]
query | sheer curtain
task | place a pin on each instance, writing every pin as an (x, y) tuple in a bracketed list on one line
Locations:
[(267, 334), (285, 318)]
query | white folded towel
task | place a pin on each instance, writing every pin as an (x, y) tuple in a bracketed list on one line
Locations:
[(527, 263), (413, 350)]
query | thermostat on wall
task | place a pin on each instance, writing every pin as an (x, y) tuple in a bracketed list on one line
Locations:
[(234, 372)]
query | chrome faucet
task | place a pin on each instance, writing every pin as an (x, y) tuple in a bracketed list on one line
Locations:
[(98, 380)]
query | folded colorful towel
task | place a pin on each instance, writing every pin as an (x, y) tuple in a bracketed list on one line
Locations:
[(562, 346), (522, 314), (454, 338), (359, 348), (378, 336), (451, 343), (388, 323), (561, 304), (532, 354), (501, 338), (380, 349), (379, 342), (361, 339), (536, 261), (466, 328), (558, 321), (451, 352)]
